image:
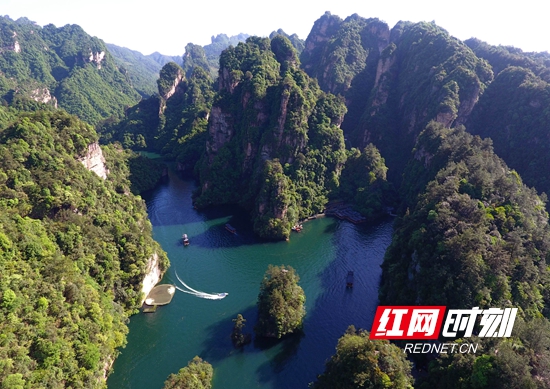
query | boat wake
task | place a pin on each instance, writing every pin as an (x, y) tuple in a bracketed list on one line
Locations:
[(198, 293)]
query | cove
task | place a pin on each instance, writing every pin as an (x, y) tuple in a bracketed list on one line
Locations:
[(217, 261)]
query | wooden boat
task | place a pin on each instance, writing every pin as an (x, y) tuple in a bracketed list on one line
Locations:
[(185, 240), (297, 227), (349, 279), (230, 228)]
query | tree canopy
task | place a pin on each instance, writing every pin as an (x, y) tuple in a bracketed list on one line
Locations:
[(74, 249), (363, 363), (281, 303), (196, 375)]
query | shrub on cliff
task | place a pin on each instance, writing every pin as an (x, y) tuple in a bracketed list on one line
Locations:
[(281, 303)]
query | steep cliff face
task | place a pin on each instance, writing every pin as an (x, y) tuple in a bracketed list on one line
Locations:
[(394, 82), (170, 77), (94, 160), (174, 122), (338, 51), (274, 144), (514, 113), (349, 57), (153, 274)]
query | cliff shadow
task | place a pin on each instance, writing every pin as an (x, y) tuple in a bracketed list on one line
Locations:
[(359, 248), (218, 345)]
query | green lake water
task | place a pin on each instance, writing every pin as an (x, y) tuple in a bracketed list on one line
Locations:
[(217, 261)]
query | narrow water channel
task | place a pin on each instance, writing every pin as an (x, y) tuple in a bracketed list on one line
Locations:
[(217, 261)]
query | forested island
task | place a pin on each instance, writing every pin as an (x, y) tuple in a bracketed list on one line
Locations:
[(451, 135)]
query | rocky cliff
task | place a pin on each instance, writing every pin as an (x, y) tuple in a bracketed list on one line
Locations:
[(274, 145), (394, 81), (94, 160), (153, 275)]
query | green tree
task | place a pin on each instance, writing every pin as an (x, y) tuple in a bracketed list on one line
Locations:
[(196, 375), (237, 337), (363, 363), (281, 303)]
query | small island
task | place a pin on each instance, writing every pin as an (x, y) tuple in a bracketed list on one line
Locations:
[(281, 303)]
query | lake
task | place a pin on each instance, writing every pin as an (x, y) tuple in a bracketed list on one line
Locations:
[(217, 261)]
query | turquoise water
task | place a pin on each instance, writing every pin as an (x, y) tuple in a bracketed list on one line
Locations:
[(217, 261)]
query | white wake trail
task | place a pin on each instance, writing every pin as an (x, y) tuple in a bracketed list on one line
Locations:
[(198, 293), (187, 286), (184, 291)]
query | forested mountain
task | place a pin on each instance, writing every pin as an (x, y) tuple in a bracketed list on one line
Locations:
[(299, 44), (274, 144), (475, 236), (394, 81), (218, 44), (514, 111), (163, 59), (63, 66), (74, 249), (268, 119), (142, 70), (173, 121), (363, 363), (279, 127)]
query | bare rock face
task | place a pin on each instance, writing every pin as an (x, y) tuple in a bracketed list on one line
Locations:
[(95, 161), (43, 95), (15, 46), (97, 58), (152, 276), (220, 130), (170, 92)]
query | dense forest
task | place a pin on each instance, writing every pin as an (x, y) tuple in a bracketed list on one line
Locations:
[(452, 135), (74, 250), (62, 66)]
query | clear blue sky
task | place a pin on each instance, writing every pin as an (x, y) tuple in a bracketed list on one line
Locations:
[(168, 25)]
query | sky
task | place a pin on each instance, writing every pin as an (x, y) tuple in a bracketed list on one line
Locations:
[(167, 26)]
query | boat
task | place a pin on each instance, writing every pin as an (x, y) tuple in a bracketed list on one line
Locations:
[(222, 294), (230, 228), (297, 228), (185, 240), (349, 279)]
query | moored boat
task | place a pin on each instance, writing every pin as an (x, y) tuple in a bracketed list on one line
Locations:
[(230, 228), (297, 228)]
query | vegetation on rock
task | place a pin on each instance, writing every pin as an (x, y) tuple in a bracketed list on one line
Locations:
[(63, 66), (281, 303), (142, 70), (363, 363), (237, 337), (274, 144), (196, 375), (476, 236), (74, 249)]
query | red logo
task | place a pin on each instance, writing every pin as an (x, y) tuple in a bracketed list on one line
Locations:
[(407, 322)]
